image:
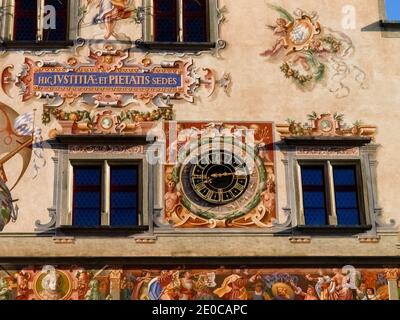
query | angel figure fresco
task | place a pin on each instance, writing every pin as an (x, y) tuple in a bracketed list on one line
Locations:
[(110, 11), (311, 52)]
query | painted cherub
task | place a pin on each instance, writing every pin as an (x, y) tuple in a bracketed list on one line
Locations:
[(281, 30), (110, 11), (304, 58)]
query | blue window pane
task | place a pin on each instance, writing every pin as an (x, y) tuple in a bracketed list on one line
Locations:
[(87, 199), (166, 30), (348, 217), (346, 195), (26, 5), (344, 176), (314, 199), (165, 6), (87, 218), (60, 31), (87, 196), (124, 199), (194, 30), (25, 29), (314, 208), (124, 217), (124, 196), (312, 176), (87, 176), (194, 6), (124, 176), (346, 199), (315, 217), (25, 20), (393, 10)]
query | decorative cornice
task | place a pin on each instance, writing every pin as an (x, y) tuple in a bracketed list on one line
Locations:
[(146, 239), (326, 125), (64, 240), (300, 240), (369, 239)]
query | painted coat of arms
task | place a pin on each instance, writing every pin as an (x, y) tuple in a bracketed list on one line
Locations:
[(312, 53)]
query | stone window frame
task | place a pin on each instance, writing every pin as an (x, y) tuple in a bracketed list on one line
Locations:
[(373, 212), (7, 24), (215, 43), (61, 210), (105, 163), (328, 163)]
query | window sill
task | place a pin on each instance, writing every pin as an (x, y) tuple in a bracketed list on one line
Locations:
[(333, 230), (390, 25), (38, 45), (101, 231), (175, 46), (327, 141)]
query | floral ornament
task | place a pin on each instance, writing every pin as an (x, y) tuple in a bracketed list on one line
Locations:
[(123, 116), (312, 53), (326, 124)]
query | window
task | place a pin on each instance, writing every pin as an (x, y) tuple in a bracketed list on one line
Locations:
[(331, 194), (392, 10), (107, 188), (180, 20), (39, 21)]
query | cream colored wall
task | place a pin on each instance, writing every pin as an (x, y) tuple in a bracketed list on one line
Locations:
[(259, 92)]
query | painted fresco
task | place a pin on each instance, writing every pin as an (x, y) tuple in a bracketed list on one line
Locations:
[(252, 205), (311, 53), (125, 283)]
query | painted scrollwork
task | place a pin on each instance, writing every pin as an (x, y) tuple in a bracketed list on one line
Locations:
[(311, 53)]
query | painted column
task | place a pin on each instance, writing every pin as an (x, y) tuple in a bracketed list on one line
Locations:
[(391, 276), (115, 284)]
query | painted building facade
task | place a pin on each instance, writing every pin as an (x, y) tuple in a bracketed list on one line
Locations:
[(198, 149)]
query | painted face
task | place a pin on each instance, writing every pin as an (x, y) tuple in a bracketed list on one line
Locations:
[(310, 291), (281, 291), (171, 186), (370, 291)]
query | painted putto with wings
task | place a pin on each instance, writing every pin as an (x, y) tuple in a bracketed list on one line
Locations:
[(110, 11), (311, 52)]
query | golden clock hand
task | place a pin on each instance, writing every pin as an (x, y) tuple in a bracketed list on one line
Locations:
[(226, 174)]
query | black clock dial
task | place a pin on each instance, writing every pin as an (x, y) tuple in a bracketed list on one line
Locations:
[(219, 177)]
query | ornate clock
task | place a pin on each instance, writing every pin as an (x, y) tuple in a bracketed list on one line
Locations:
[(222, 180)]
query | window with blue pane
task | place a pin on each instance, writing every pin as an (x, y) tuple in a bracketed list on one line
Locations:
[(87, 196), (165, 20), (181, 21), (26, 13), (314, 195), (25, 20), (346, 195), (392, 10), (124, 200), (195, 20), (59, 33)]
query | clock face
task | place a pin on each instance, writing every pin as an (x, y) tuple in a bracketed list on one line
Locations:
[(220, 181), (219, 177)]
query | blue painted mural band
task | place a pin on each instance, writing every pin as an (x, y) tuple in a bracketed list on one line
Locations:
[(107, 80)]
